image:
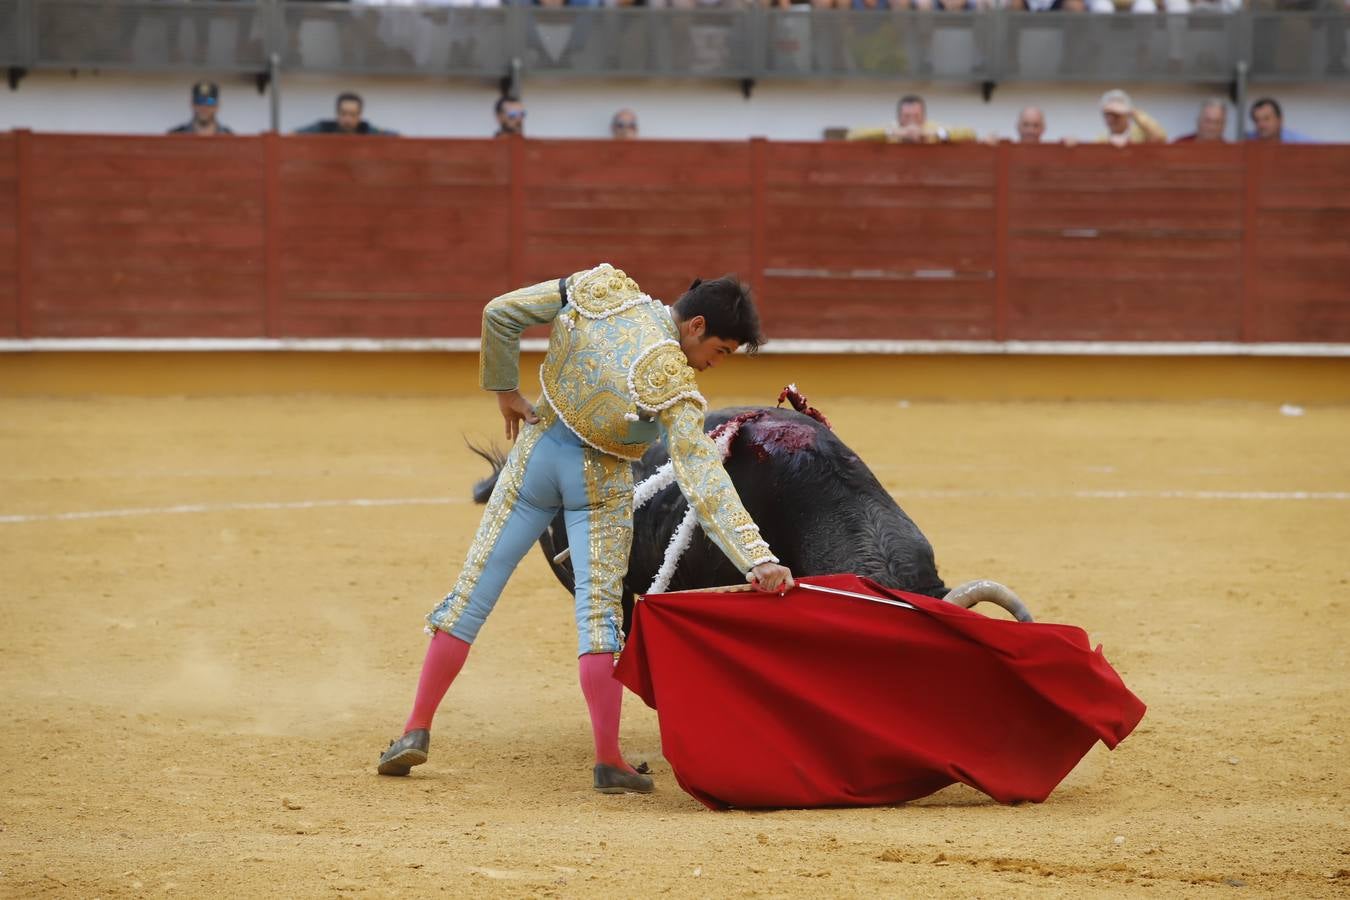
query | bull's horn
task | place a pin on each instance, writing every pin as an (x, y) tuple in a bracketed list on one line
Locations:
[(972, 592), (563, 555)]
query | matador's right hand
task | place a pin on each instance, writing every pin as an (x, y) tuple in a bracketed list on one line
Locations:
[(515, 409), (771, 578)]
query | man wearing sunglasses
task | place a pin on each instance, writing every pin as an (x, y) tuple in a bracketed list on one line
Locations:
[(510, 116), (624, 125)]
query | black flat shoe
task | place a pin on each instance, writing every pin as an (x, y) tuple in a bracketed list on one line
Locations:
[(406, 752), (613, 780)]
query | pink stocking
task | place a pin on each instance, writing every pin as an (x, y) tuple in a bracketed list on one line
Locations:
[(604, 699), (445, 657)]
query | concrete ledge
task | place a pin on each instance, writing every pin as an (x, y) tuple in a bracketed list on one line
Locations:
[(776, 347)]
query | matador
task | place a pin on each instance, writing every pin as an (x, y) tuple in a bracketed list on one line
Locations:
[(619, 374)]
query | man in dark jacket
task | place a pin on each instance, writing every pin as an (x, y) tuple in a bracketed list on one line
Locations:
[(348, 119)]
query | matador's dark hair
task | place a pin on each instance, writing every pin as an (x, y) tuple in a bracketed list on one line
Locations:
[(726, 305)]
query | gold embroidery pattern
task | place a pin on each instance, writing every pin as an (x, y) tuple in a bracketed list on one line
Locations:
[(705, 484), (661, 377), (495, 516), (585, 375), (504, 318), (609, 492), (603, 292)]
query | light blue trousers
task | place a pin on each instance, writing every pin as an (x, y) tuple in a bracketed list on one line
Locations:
[(550, 469)]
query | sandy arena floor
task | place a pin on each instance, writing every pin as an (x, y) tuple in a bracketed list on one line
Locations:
[(197, 682)]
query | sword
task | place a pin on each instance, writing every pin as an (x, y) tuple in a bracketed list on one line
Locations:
[(742, 588)]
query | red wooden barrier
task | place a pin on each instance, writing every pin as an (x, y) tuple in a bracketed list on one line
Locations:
[(1139, 247), (144, 236), (1299, 247), (387, 237), (663, 212), (382, 237), (879, 241), (9, 236)]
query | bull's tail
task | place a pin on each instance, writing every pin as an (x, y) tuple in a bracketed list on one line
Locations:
[(972, 592), (482, 490)]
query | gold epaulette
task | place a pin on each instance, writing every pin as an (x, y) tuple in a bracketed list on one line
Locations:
[(661, 377), (603, 291)]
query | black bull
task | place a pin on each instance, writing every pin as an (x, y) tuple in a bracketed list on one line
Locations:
[(816, 503)]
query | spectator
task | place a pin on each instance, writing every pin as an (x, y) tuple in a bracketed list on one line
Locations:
[(624, 125), (205, 105), (348, 121), (1269, 121), (510, 116), (1030, 125), (912, 127), (1139, 6), (1127, 125), (1210, 124)]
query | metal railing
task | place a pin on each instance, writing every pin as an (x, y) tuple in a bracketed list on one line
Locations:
[(713, 42)]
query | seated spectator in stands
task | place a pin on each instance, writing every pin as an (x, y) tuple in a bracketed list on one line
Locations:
[(348, 119), (1209, 125), (1127, 125), (205, 105), (1139, 6), (912, 126), (1269, 121), (1030, 125), (510, 116), (624, 125)]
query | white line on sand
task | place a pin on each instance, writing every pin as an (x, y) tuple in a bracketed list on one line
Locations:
[(230, 507), (1132, 495), (446, 501)]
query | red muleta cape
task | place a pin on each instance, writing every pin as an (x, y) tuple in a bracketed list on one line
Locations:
[(814, 699)]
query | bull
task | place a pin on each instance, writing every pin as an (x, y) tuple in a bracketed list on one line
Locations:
[(817, 504)]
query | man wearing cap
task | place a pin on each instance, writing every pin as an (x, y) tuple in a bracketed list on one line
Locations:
[(205, 103), (1127, 125)]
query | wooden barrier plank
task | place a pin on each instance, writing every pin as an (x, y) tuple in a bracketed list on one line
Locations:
[(690, 164), (381, 324), (873, 217), (665, 212), (460, 152), (399, 238), (161, 232), (695, 222), (935, 309), (225, 298), (1163, 201), (1299, 251), (135, 325), (1130, 245), (1092, 309), (465, 213), (364, 173), (878, 165)]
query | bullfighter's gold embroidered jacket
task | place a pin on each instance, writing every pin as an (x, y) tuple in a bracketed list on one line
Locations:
[(615, 374)]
